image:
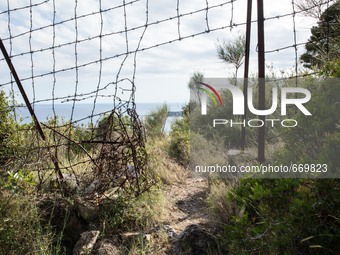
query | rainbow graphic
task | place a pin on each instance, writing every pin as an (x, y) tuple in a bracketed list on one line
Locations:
[(212, 93)]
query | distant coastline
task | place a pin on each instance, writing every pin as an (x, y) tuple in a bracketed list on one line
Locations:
[(82, 112)]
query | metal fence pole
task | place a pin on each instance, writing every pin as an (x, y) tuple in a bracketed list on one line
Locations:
[(21, 88), (28, 104), (261, 75), (246, 73)]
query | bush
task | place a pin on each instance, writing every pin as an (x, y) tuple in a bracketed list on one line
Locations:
[(330, 152), (19, 182), (294, 216), (229, 135), (285, 216), (155, 122), (7, 132), (204, 152), (179, 147), (304, 143), (140, 213)]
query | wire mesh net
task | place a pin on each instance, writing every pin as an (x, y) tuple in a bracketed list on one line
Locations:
[(72, 52)]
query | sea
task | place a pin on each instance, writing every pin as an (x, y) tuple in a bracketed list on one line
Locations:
[(82, 113)]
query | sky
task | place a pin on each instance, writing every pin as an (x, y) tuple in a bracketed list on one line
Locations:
[(161, 74)]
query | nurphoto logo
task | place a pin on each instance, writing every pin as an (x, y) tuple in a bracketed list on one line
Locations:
[(238, 99), (210, 88)]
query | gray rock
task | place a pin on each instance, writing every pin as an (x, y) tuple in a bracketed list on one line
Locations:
[(86, 209), (90, 189), (86, 243), (196, 240), (105, 247), (170, 231)]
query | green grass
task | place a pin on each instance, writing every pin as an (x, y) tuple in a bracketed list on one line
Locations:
[(21, 232)]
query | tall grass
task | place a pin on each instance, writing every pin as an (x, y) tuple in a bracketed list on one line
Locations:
[(21, 232)]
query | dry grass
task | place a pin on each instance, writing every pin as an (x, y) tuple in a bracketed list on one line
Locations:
[(20, 229), (220, 206), (155, 244), (162, 165), (149, 209)]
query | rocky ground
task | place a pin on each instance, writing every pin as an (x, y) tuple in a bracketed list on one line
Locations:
[(190, 218), (185, 229), (188, 203)]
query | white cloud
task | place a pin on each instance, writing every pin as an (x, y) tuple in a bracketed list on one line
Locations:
[(162, 72)]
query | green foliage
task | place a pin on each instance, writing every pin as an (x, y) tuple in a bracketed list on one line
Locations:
[(81, 134), (323, 45), (194, 85), (204, 152), (8, 129), (230, 135), (179, 147), (110, 123), (126, 214), (223, 134), (285, 216), (306, 143), (202, 123), (21, 181), (180, 142), (232, 52), (331, 68), (294, 216), (112, 215), (155, 122), (220, 206), (20, 229), (160, 165), (330, 151)]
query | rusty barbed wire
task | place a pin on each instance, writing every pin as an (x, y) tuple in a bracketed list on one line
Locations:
[(109, 152)]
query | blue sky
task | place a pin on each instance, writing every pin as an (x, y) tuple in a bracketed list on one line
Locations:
[(161, 73)]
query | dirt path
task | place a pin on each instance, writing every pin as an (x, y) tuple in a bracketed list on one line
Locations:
[(187, 201)]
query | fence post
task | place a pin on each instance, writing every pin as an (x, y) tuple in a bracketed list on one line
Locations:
[(246, 73), (28, 104), (21, 88), (261, 76)]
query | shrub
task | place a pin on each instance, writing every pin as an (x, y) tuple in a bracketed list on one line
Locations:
[(205, 152), (81, 133), (304, 143), (19, 182), (155, 122), (179, 147), (294, 216), (140, 213), (7, 132), (285, 216)]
